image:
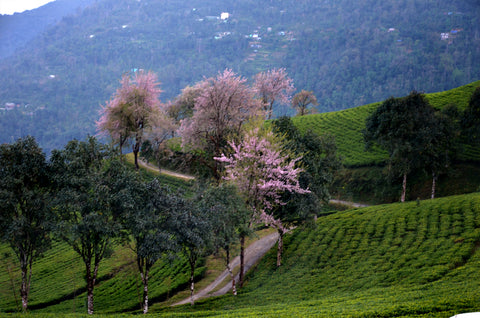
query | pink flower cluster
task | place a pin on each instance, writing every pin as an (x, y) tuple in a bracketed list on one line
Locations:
[(262, 173)]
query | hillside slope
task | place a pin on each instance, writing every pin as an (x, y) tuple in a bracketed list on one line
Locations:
[(417, 259), (348, 52), (400, 260)]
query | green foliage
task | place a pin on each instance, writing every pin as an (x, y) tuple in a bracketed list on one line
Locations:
[(470, 120), (26, 220), (320, 162), (409, 131)]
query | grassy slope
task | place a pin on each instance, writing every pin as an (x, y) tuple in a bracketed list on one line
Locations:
[(58, 284), (347, 125), (400, 260)]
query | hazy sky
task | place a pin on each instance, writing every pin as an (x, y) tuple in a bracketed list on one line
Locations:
[(12, 6)]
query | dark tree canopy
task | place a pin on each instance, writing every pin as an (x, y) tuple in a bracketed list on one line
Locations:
[(320, 162), (229, 218), (403, 127), (150, 221), (193, 232), (471, 119), (25, 218)]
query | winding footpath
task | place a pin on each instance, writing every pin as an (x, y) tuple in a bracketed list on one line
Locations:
[(170, 173), (253, 253)]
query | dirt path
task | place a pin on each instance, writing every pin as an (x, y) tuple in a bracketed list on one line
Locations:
[(253, 253), (350, 204), (164, 171)]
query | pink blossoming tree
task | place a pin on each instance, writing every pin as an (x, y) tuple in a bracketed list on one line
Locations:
[(223, 106), (262, 172), (271, 86), (128, 113)]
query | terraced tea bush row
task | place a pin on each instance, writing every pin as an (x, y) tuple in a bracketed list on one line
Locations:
[(418, 259), (346, 126), (58, 284)]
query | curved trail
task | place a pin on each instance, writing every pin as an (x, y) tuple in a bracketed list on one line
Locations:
[(170, 173), (350, 204), (253, 253)]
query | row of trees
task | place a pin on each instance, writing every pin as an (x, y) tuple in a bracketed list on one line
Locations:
[(86, 196), (204, 115), (419, 137)]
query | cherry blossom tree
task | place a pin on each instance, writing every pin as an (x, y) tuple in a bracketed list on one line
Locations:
[(262, 172), (128, 113), (224, 105), (271, 86)]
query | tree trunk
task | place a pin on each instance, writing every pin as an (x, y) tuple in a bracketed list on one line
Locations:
[(192, 282), (145, 292), (25, 286), (280, 247), (91, 278), (144, 266), (234, 286), (89, 299), (242, 260), (90, 285), (404, 188), (136, 150), (434, 183)]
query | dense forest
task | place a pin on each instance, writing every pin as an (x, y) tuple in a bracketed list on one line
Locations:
[(348, 53)]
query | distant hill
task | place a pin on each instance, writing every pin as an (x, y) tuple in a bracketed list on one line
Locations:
[(349, 53), (18, 29)]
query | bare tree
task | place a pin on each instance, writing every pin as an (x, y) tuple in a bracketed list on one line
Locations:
[(271, 86), (301, 101)]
